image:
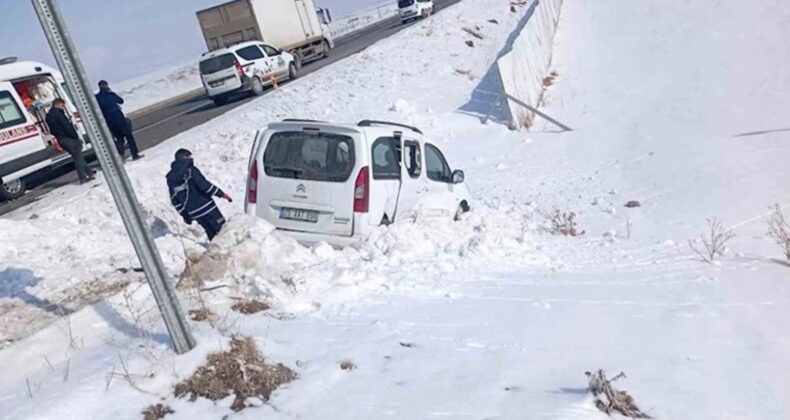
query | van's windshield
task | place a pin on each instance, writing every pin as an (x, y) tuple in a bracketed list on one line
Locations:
[(218, 63), (311, 156), (402, 4)]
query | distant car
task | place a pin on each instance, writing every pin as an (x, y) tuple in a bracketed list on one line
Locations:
[(414, 9), (335, 183), (245, 67)]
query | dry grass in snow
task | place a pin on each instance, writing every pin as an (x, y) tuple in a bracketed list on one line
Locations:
[(240, 371)]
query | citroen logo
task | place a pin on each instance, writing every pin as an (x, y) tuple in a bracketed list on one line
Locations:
[(301, 188)]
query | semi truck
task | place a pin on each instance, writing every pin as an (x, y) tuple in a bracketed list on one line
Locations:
[(295, 26)]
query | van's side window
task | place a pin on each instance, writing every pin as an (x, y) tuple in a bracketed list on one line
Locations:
[(10, 113), (385, 159), (413, 159), (436, 166)]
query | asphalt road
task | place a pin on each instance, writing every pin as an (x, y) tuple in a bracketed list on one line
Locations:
[(160, 124)]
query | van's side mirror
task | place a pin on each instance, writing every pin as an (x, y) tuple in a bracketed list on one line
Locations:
[(458, 177)]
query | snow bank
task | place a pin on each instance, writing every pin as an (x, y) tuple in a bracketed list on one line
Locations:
[(357, 21), (158, 86)]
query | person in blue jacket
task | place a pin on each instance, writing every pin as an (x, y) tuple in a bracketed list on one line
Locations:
[(191, 194), (120, 126)]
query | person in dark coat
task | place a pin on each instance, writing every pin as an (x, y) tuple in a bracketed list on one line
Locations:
[(61, 127), (120, 126), (191, 194)]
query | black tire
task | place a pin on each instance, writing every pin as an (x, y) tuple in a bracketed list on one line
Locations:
[(297, 60), (257, 86), (13, 190), (293, 74), (220, 100), (325, 45)]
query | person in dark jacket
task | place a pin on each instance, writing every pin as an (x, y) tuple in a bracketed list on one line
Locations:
[(191, 194), (61, 127), (120, 126)]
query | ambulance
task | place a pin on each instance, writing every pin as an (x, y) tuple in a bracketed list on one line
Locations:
[(27, 90)]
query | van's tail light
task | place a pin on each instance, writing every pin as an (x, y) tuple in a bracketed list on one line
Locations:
[(239, 69), (252, 184), (362, 191)]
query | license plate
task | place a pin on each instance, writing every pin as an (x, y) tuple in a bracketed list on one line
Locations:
[(299, 214), (216, 84)]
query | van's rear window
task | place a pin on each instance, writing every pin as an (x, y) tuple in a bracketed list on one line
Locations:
[(10, 113), (312, 156), (220, 62)]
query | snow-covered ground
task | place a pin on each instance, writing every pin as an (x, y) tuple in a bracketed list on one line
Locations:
[(152, 88), (491, 317)]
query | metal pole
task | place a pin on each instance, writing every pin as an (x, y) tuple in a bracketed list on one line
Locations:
[(70, 65), (531, 108)]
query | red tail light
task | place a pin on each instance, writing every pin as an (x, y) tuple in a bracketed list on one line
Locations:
[(239, 69), (362, 191), (252, 184)]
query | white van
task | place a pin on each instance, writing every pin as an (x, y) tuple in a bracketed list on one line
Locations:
[(245, 67), (409, 10), (27, 90), (336, 183)]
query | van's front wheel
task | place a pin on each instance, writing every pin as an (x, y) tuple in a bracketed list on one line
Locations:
[(292, 72), (12, 190)]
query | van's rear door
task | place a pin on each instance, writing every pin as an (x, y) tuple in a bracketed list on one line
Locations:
[(19, 136), (306, 178), (220, 72)]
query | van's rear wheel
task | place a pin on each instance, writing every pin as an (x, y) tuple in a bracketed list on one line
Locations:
[(257, 86), (12, 190)]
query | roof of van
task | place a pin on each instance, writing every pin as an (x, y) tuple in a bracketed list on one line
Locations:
[(22, 69), (225, 50)]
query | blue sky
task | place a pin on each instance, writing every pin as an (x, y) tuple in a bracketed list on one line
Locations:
[(121, 39)]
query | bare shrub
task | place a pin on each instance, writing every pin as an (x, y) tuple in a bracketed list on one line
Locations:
[(610, 400), (249, 307), (201, 315), (240, 371), (156, 412), (714, 244), (779, 230), (347, 365), (563, 223)]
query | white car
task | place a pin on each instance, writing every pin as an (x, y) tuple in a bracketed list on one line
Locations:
[(245, 67), (335, 183), (409, 10)]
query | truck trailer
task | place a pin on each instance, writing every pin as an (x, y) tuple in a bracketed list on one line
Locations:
[(295, 26)]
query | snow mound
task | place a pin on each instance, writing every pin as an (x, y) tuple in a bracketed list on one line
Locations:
[(413, 256)]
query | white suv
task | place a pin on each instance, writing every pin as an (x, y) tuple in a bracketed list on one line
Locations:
[(414, 9), (335, 183), (245, 67)]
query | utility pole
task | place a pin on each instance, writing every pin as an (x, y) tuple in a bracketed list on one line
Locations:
[(70, 65)]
